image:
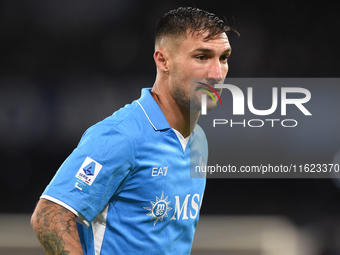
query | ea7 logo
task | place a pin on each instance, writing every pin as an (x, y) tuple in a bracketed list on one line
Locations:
[(161, 171), (238, 100)]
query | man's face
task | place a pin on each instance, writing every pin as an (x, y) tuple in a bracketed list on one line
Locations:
[(195, 57)]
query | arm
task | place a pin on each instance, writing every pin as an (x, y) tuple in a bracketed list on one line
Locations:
[(56, 229)]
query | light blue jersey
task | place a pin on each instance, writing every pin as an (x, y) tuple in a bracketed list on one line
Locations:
[(129, 182)]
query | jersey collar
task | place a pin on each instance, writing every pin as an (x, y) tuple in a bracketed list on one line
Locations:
[(152, 111)]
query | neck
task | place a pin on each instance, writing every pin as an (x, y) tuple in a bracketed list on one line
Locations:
[(178, 116)]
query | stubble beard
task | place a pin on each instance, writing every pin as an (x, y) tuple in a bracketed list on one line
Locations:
[(179, 92), (186, 95), (181, 95), (190, 100)]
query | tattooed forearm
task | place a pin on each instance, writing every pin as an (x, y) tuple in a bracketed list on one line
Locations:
[(51, 243), (56, 229)]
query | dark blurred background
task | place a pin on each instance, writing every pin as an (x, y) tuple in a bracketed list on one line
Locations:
[(67, 64)]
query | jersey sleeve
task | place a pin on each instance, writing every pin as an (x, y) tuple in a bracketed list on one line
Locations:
[(95, 171)]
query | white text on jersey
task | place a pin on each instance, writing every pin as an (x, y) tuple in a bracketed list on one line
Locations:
[(159, 171)]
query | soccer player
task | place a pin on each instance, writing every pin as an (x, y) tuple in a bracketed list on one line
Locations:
[(126, 188)]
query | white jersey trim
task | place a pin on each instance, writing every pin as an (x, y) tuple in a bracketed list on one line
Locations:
[(184, 141), (80, 218), (147, 115), (98, 229)]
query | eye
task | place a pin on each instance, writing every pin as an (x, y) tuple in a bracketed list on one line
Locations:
[(201, 57), (224, 58)]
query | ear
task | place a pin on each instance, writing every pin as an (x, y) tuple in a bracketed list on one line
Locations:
[(162, 60)]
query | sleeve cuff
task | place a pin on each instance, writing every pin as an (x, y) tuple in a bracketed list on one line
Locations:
[(80, 218)]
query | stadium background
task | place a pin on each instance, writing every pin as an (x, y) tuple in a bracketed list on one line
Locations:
[(66, 65)]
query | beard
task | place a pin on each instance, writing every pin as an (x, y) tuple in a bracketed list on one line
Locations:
[(180, 89), (190, 99), (187, 93)]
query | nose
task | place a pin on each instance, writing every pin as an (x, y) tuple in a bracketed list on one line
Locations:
[(217, 71)]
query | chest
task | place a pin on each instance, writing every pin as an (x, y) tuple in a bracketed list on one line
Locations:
[(161, 183)]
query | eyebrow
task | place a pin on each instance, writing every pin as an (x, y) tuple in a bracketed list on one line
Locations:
[(204, 50), (209, 50)]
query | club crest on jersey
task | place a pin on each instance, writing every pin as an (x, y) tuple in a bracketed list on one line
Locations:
[(159, 209)]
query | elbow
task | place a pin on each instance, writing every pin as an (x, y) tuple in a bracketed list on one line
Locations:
[(33, 219)]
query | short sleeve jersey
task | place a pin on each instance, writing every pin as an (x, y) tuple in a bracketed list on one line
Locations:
[(129, 180)]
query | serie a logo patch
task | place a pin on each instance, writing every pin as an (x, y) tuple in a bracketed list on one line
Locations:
[(86, 174)]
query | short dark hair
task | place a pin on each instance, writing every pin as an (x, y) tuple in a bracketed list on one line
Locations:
[(177, 22)]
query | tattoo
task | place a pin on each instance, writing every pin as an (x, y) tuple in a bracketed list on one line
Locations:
[(56, 227), (51, 243)]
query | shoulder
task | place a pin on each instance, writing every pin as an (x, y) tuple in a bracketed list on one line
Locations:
[(114, 132), (122, 120)]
